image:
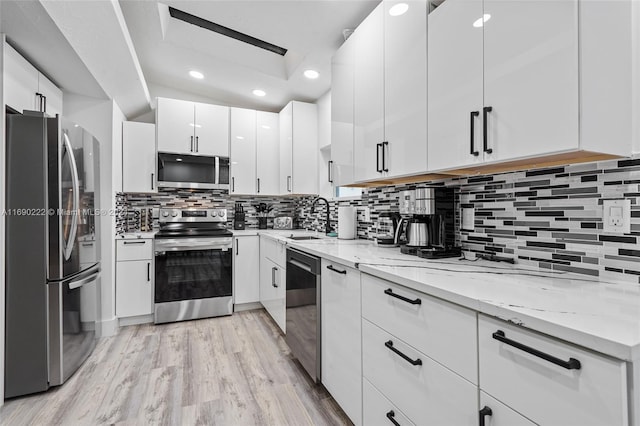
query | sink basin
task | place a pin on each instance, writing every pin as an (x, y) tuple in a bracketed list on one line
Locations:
[(303, 237)]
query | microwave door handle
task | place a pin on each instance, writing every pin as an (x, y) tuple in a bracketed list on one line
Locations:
[(217, 170), (68, 248)]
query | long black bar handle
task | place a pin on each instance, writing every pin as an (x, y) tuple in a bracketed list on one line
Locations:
[(258, 185), (233, 184), (45, 103), (484, 412), (197, 143), (148, 271), (135, 242), (378, 168), (330, 169), (389, 344), (572, 364), (273, 276), (415, 301), (391, 416), (237, 246), (191, 143), (384, 156), (152, 182), (472, 150), (485, 143), (331, 268)]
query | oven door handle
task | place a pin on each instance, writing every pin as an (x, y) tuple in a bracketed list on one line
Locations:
[(172, 246)]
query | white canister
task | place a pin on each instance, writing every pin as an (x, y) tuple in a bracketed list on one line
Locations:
[(347, 223)]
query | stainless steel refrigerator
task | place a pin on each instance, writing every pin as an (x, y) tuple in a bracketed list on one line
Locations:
[(52, 266)]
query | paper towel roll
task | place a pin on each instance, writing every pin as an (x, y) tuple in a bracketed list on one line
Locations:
[(346, 223)]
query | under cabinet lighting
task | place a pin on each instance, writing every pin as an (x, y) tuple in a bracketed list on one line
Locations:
[(480, 21), (398, 9)]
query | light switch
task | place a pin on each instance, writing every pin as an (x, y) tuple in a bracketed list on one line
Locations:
[(616, 216)]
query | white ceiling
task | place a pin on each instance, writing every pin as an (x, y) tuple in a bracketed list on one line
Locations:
[(311, 30)]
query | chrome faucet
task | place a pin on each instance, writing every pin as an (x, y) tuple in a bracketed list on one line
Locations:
[(313, 210)]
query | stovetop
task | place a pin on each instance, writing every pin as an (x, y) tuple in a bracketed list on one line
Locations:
[(193, 223)]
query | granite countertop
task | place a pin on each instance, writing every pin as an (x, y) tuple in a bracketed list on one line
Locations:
[(603, 316)]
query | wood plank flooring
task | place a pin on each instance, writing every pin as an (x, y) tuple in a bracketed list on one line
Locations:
[(233, 370)]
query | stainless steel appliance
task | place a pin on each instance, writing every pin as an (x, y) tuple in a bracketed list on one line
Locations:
[(193, 273), (192, 171), (51, 264), (387, 229), (417, 232), (303, 310), (284, 222)]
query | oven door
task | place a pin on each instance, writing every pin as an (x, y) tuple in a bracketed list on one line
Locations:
[(193, 279)]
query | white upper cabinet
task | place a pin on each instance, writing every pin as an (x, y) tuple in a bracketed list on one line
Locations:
[(268, 153), (25, 88), (139, 157), (368, 39), (405, 87), (243, 151), (342, 82), (192, 128), (299, 148)]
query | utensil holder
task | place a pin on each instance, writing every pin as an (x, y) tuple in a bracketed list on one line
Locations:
[(262, 223)]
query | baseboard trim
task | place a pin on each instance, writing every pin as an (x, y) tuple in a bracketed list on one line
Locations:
[(247, 306), (140, 319), (107, 328)]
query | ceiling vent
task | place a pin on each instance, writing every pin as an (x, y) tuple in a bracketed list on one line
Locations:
[(220, 29)]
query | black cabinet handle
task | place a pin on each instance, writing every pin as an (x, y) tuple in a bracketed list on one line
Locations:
[(572, 364), (486, 411), (237, 246), (152, 176), (45, 103), (273, 276), (191, 143), (197, 143), (415, 301), (331, 268), (148, 271), (391, 416), (134, 242), (233, 184), (330, 168), (472, 150), (389, 344), (485, 143), (384, 156), (378, 168)]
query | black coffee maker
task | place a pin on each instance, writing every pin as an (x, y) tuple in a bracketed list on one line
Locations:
[(238, 217)]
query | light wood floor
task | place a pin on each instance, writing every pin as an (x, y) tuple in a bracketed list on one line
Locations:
[(233, 370)]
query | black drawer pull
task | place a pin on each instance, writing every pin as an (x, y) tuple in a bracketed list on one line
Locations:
[(390, 292), (485, 125), (331, 268), (417, 361), (391, 416), (486, 411), (135, 242), (472, 151), (572, 364)]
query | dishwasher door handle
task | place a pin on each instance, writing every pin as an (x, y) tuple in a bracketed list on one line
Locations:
[(300, 265)]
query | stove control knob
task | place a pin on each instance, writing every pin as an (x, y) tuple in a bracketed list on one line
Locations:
[(222, 213), (214, 213), (165, 214), (174, 214)]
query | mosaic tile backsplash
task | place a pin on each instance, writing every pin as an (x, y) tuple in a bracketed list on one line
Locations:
[(549, 218)]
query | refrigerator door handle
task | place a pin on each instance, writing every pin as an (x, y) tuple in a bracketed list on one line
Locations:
[(217, 170), (68, 245), (79, 283)]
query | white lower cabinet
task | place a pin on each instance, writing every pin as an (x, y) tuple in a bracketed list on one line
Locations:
[(494, 413), (273, 279), (134, 277), (246, 277), (548, 380), (421, 388), (341, 337), (378, 410)]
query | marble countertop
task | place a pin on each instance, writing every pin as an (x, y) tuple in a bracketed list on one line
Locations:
[(136, 235)]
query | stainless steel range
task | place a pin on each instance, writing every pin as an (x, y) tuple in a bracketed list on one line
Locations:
[(193, 274)]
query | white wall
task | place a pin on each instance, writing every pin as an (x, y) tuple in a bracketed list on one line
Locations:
[(635, 8), (325, 189)]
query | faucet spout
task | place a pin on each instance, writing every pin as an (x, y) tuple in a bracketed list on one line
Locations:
[(313, 209)]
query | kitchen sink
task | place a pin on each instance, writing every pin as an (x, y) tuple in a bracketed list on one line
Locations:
[(303, 237)]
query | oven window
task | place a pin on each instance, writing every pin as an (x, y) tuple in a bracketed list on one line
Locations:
[(193, 274)]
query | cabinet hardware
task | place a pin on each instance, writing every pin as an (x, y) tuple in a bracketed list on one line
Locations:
[(273, 276), (331, 268), (486, 411), (191, 144), (289, 186), (485, 143), (390, 292), (391, 416), (152, 176), (385, 168), (572, 364), (330, 168), (45, 103), (472, 151), (389, 344), (233, 184), (258, 185), (39, 96), (134, 242), (148, 271), (87, 244), (197, 143), (237, 246), (378, 168)]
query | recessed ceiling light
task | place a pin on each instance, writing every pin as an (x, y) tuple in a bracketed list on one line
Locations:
[(264, 126), (480, 21), (311, 74), (259, 92), (240, 137), (76, 125), (178, 159), (196, 74), (398, 9)]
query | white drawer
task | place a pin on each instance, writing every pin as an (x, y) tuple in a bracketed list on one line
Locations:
[(498, 414), (273, 250), (427, 393), (378, 410), (442, 330), (134, 249), (550, 394)]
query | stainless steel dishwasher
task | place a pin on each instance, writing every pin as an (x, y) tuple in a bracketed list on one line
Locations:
[(303, 310)]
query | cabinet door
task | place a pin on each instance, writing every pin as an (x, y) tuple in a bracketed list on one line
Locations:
[(501, 415), (246, 277), (531, 77), (341, 337), (369, 96), (268, 153), (405, 87), (52, 96), (138, 157), (286, 152), (134, 288), (272, 290), (20, 81), (304, 148), (342, 68), (212, 130), (243, 151), (176, 126), (455, 84)]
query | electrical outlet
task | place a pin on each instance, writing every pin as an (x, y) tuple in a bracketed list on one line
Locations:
[(616, 216)]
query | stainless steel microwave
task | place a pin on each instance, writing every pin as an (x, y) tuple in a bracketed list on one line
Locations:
[(192, 171)]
